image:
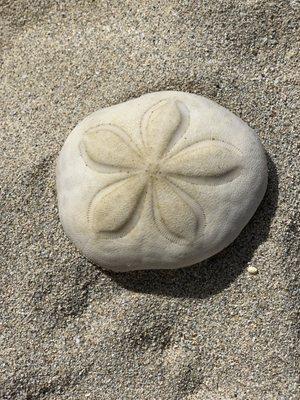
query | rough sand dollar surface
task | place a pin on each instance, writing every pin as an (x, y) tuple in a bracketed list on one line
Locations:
[(72, 331), (162, 181)]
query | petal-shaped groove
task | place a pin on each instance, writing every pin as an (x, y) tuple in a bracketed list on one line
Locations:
[(176, 215), (110, 148), (159, 125), (115, 210), (212, 161)]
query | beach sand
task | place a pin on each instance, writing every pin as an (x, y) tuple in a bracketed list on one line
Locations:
[(69, 330)]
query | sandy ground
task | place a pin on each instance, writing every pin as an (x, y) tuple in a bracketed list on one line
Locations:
[(72, 331)]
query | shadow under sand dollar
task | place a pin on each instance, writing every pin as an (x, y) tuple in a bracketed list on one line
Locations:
[(217, 272)]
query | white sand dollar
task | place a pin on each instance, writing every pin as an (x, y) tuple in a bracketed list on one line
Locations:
[(162, 181)]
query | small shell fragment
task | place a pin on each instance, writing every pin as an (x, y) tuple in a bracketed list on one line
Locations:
[(252, 270)]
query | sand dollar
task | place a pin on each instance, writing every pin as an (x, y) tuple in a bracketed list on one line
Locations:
[(162, 181)]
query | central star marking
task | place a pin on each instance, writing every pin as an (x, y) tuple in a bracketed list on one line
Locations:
[(154, 171)]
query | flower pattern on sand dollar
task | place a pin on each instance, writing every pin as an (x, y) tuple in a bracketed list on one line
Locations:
[(153, 170)]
